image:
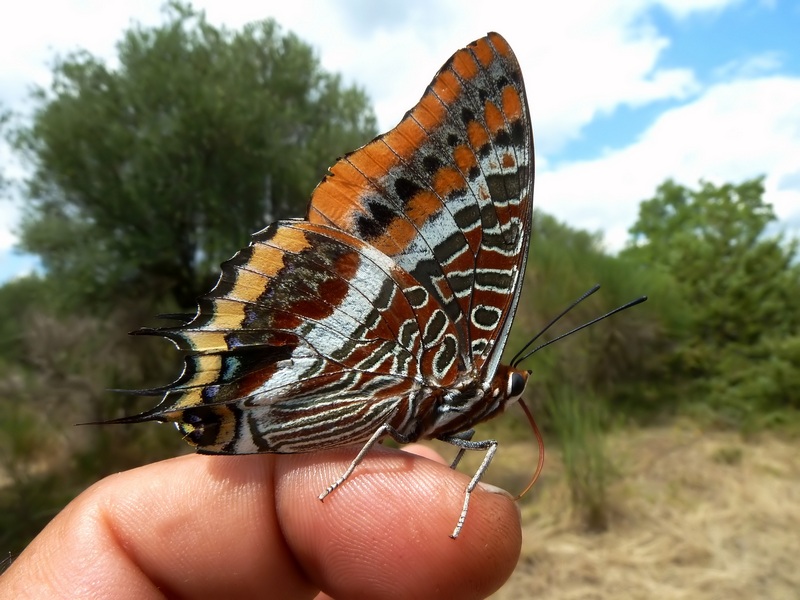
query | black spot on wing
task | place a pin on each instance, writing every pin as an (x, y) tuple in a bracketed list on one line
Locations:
[(375, 224), (405, 188), (431, 164)]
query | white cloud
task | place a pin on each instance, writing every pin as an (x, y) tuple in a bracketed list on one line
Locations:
[(581, 59), (683, 8), (7, 238), (732, 132), (36, 30), (752, 66)]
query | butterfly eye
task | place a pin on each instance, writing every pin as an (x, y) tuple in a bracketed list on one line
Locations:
[(516, 384)]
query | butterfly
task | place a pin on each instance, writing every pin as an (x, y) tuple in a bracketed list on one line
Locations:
[(385, 312)]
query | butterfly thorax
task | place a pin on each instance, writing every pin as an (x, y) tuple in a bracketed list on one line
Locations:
[(460, 408)]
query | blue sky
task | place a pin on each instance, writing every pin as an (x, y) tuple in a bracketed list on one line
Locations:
[(623, 94)]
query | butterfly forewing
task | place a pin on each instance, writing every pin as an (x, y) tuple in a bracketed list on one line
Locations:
[(447, 195)]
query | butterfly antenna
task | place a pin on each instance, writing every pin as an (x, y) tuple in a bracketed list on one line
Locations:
[(516, 360), (539, 439), (584, 326)]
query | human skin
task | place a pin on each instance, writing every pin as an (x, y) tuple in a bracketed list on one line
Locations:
[(253, 527)]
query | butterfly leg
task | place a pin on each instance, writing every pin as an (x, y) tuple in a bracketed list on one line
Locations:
[(490, 446), (464, 435), (381, 432)]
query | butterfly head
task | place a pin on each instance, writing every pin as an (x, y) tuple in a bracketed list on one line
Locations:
[(515, 385), (509, 384)]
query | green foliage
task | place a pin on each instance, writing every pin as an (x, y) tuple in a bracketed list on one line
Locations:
[(741, 284), (146, 175), (17, 297), (579, 424), (620, 358), (63, 369)]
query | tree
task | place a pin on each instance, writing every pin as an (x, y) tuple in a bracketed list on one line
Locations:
[(741, 283), (615, 361), (5, 117), (147, 175)]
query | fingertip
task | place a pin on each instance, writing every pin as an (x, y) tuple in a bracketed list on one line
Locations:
[(386, 531)]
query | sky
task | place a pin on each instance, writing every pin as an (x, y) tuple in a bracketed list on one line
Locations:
[(623, 93)]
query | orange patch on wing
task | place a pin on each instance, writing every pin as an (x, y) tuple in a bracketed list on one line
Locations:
[(337, 197), (500, 44), (447, 87), (249, 286), (465, 158), (405, 139), (188, 399), (374, 159), (477, 135), (227, 314), (483, 51), (205, 341), (447, 180), (208, 367), (464, 64), (430, 113), (400, 234), (512, 103), (422, 206), (290, 240), (508, 161), (494, 118)]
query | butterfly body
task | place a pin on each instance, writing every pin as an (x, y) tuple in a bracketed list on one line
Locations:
[(386, 310)]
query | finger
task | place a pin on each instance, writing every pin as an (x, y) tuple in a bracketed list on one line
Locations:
[(193, 527), (210, 527), (386, 531)]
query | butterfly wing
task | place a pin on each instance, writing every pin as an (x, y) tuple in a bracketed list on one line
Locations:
[(447, 194), (311, 339), (403, 279)]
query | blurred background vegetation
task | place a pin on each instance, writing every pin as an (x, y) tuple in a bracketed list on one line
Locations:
[(143, 178)]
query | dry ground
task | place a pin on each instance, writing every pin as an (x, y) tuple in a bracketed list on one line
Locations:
[(695, 515)]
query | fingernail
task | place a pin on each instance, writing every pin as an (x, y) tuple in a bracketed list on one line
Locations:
[(493, 489)]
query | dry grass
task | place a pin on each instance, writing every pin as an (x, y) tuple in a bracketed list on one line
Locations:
[(695, 515)]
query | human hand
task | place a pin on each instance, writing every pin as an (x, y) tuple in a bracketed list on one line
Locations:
[(252, 527)]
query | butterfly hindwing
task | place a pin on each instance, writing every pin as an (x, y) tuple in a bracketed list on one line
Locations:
[(312, 324)]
